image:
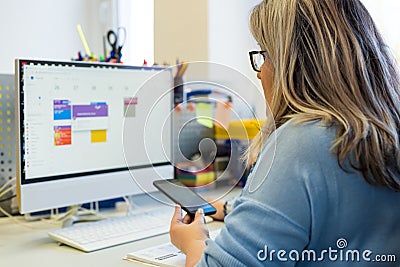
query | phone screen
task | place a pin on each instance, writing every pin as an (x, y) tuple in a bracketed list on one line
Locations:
[(184, 196)]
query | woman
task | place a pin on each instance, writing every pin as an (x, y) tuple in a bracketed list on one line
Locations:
[(325, 187)]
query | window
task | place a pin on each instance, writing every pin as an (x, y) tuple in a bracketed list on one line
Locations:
[(137, 16), (386, 16)]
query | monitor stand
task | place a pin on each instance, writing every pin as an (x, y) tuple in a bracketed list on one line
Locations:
[(75, 214)]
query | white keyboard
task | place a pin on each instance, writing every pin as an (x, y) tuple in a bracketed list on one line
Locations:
[(114, 231)]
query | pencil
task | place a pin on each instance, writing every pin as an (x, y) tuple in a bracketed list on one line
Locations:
[(182, 69), (85, 45)]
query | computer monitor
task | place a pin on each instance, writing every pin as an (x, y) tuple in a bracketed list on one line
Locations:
[(90, 131)]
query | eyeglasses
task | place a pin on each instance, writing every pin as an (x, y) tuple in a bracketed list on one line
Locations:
[(257, 58)]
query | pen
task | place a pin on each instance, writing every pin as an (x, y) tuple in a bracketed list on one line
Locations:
[(85, 45), (182, 69), (104, 47)]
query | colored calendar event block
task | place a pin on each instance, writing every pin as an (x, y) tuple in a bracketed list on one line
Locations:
[(62, 135)]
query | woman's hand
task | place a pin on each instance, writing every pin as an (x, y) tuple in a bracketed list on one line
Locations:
[(189, 236), (219, 205)]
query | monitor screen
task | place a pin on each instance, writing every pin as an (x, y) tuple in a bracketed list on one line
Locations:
[(90, 131)]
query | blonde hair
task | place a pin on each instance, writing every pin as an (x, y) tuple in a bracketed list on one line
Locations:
[(331, 64)]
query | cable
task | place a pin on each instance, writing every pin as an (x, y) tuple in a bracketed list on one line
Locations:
[(7, 183), (67, 215), (7, 190), (16, 220), (6, 213), (59, 218), (128, 205), (7, 198)]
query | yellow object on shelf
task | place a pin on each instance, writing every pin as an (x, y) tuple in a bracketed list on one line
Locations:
[(201, 179), (239, 130), (190, 175)]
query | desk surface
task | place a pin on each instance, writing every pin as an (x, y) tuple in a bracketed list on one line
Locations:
[(25, 243)]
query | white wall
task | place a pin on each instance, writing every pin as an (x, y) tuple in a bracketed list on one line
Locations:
[(230, 40), (47, 29)]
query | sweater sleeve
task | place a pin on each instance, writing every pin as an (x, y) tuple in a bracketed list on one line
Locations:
[(272, 217)]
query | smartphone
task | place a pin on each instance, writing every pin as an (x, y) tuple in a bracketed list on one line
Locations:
[(179, 193)]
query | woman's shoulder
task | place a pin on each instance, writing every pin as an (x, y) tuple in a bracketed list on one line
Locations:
[(298, 135), (306, 129), (295, 152)]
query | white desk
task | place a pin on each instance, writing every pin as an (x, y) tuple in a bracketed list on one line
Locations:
[(23, 246)]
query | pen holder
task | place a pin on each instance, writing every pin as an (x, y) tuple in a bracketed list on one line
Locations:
[(178, 90)]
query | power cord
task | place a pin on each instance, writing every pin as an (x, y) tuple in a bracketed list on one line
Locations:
[(7, 198), (4, 190), (7, 190), (15, 219)]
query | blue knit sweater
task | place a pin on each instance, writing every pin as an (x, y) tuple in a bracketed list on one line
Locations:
[(299, 208)]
